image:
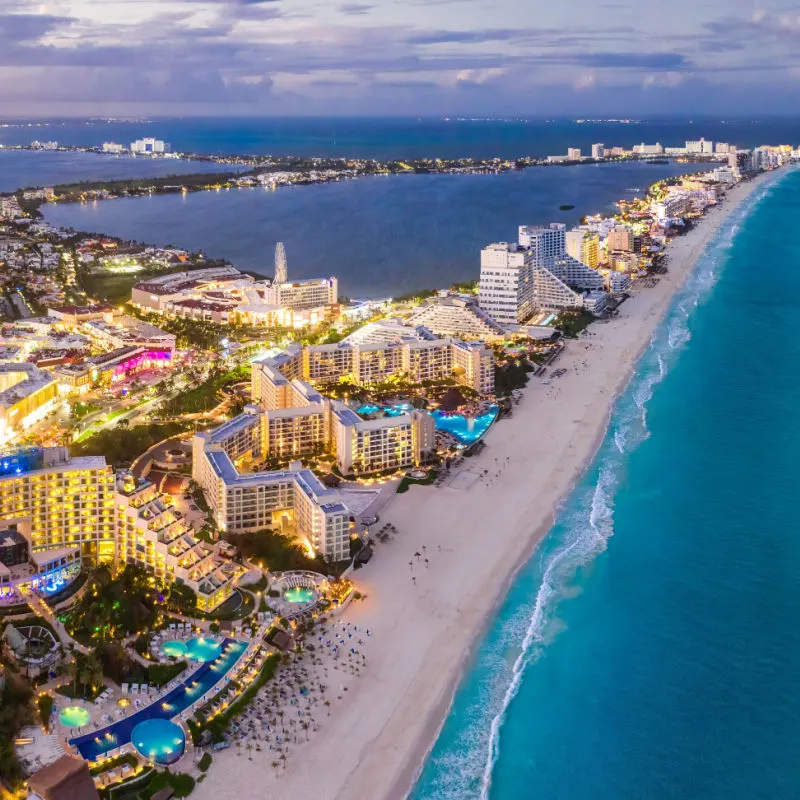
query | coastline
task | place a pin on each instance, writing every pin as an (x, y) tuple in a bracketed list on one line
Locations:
[(376, 742)]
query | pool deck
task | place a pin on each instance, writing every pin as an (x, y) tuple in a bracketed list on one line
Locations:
[(117, 734)]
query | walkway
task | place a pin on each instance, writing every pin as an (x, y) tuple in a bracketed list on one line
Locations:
[(41, 608)]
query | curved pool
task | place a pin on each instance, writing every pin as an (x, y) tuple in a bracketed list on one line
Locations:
[(299, 595), (159, 740), (203, 648), (174, 648), (73, 716)]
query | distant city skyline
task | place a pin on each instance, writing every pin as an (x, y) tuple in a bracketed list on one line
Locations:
[(426, 57)]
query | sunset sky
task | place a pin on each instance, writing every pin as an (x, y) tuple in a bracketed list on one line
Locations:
[(427, 57)]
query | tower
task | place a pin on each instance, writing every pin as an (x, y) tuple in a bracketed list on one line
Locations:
[(280, 263)]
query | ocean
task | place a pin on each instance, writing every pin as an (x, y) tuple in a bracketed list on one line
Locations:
[(650, 647), (379, 235), (405, 137)]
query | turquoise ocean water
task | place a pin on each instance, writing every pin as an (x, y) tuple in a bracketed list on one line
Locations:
[(651, 647)]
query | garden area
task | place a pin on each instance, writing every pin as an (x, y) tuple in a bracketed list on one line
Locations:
[(275, 552), (131, 602), (207, 395), (122, 445)]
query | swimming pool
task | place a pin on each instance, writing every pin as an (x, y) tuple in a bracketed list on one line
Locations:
[(299, 595), (159, 740), (203, 648), (99, 743), (174, 648), (73, 716), (466, 429)]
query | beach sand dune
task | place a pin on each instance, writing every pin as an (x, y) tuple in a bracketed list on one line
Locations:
[(475, 534)]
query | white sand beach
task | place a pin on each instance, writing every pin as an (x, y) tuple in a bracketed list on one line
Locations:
[(475, 534)]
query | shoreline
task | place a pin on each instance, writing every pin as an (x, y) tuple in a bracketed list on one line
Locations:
[(415, 763), (377, 742)]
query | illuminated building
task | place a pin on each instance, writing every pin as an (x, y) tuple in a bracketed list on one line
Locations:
[(59, 502), (27, 394), (151, 535), (583, 246), (291, 501)]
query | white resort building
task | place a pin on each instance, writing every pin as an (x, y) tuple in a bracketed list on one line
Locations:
[(151, 535), (535, 274)]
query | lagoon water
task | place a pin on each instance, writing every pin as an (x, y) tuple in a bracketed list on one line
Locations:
[(378, 235), (651, 647)]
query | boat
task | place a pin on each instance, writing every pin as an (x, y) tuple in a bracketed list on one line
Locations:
[(566, 207)]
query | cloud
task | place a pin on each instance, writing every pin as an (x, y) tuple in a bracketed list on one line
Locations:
[(479, 76), (355, 9), (666, 79), (30, 27)]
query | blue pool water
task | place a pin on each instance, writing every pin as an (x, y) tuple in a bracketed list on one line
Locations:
[(466, 430), (96, 744), (174, 648), (650, 648), (203, 648), (159, 740)]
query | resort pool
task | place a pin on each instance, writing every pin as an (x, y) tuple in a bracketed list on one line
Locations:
[(203, 648), (159, 740), (73, 716), (100, 743), (174, 648), (466, 429), (299, 595)]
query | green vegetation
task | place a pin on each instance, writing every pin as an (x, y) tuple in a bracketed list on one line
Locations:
[(117, 761), (121, 446), (572, 322), (160, 674), (181, 784), (510, 376), (408, 482), (79, 409), (129, 603), (205, 396), (275, 551), (15, 711), (129, 789), (205, 762), (45, 705), (86, 672)]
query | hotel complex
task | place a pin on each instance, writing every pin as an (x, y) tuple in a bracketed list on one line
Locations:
[(151, 535), (58, 513), (290, 419), (225, 295)]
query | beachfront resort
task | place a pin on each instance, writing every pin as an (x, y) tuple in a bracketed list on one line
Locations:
[(192, 591)]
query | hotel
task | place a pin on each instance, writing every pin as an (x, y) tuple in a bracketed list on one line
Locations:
[(151, 535), (292, 502), (27, 394), (59, 502), (536, 274)]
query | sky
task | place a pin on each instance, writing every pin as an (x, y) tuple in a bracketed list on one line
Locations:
[(398, 57)]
